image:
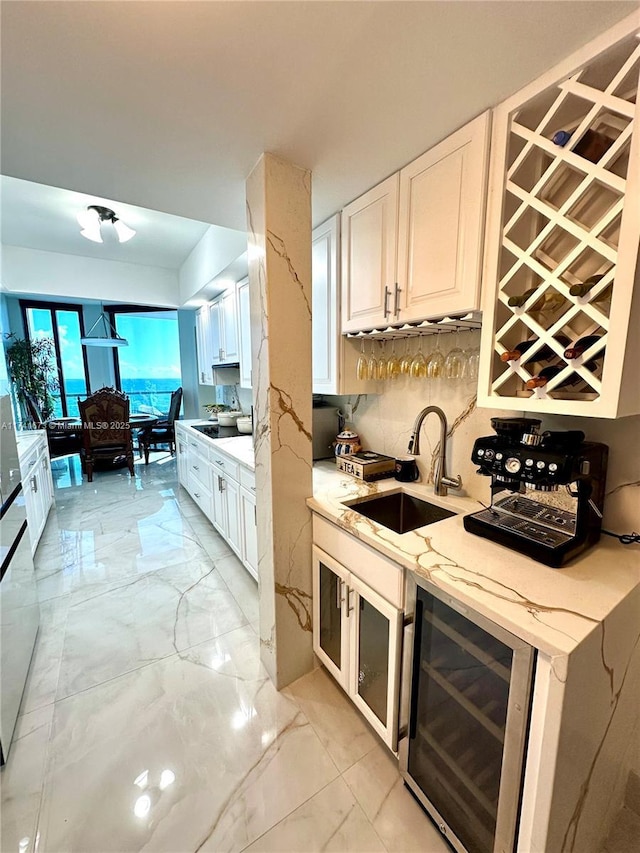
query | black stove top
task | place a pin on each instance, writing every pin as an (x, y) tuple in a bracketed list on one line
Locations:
[(216, 431)]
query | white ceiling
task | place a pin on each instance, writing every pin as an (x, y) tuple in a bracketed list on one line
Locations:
[(168, 105), (43, 217)]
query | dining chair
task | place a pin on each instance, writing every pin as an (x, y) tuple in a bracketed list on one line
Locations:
[(163, 431), (106, 430), (61, 438)]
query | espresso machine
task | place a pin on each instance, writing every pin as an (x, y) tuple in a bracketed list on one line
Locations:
[(547, 490)]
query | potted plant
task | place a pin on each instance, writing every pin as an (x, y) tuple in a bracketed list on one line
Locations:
[(214, 408), (32, 369)]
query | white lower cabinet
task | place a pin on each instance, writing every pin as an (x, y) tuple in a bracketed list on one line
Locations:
[(37, 486), (249, 531), (357, 636), (223, 489)]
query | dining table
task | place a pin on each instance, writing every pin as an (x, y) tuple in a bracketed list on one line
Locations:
[(74, 424)]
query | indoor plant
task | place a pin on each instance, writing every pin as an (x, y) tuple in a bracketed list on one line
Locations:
[(32, 369)]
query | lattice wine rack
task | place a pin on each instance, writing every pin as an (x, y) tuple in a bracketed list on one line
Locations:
[(562, 239)]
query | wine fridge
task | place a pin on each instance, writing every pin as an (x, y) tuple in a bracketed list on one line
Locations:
[(467, 710)]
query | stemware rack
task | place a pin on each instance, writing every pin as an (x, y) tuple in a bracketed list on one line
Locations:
[(558, 217), (471, 320)]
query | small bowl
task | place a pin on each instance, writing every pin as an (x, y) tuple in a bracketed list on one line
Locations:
[(244, 425), (228, 419)]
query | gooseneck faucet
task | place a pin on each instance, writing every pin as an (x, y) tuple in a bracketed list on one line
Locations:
[(441, 481)]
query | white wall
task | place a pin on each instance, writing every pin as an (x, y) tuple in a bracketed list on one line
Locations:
[(60, 276), (216, 251)]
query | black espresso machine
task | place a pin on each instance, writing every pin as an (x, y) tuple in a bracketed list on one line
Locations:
[(547, 490)]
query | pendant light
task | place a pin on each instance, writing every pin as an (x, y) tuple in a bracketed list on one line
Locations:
[(109, 338), (91, 221)]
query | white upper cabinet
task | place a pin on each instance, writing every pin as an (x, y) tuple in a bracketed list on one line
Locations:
[(215, 331), (203, 346), (229, 325), (369, 234), (440, 226), (334, 357), (412, 246), (244, 332)]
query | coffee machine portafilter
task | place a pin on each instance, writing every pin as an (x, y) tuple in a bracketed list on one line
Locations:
[(553, 485)]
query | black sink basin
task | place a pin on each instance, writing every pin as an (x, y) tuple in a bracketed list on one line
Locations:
[(401, 512)]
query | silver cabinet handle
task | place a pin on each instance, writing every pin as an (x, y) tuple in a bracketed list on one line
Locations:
[(396, 301), (349, 607), (253, 488), (255, 514), (387, 294), (339, 593), (219, 483), (195, 468), (196, 494), (34, 484)]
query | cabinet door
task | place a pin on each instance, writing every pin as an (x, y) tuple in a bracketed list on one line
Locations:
[(441, 220), (229, 325), (249, 532), (375, 628), (215, 332), (231, 494), (369, 233), (244, 332), (330, 626), (325, 335), (205, 374), (219, 504)]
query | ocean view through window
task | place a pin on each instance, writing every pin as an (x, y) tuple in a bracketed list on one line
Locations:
[(148, 370)]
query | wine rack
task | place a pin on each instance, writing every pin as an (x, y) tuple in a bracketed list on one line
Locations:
[(563, 212)]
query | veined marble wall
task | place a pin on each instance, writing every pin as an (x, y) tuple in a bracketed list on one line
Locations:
[(279, 234), (384, 423)]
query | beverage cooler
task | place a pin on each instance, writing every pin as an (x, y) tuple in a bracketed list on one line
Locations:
[(467, 709)]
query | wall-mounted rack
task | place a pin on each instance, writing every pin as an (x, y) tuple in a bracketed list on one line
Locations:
[(470, 321)]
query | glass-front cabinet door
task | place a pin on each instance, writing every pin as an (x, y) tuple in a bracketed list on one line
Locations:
[(375, 627), (330, 626)]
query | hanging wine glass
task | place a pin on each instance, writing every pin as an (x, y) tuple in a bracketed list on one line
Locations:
[(393, 363), (361, 364), (436, 361), (382, 363), (455, 361), (419, 364), (372, 363), (405, 361), (473, 363)]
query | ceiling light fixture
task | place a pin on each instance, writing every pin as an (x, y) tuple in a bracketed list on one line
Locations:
[(109, 338), (92, 218)]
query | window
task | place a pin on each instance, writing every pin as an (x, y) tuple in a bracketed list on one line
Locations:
[(147, 370), (63, 325)]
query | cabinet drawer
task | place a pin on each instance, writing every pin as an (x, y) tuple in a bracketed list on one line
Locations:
[(382, 575), (199, 470), (228, 466), (201, 494), (248, 480)]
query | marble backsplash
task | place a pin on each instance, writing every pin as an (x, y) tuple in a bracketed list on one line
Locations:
[(384, 421)]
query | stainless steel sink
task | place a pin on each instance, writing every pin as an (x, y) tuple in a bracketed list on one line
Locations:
[(400, 512)]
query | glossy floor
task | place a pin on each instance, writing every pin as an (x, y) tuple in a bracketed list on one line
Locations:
[(148, 722)]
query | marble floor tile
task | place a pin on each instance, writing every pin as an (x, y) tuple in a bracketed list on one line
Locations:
[(195, 752), (148, 722), (152, 616), (22, 780), (242, 586), (395, 815), (345, 735), (330, 821)]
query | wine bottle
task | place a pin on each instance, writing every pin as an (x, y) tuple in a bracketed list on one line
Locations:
[(581, 346), (518, 301), (591, 145), (543, 354), (585, 287), (547, 374), (547, 305)]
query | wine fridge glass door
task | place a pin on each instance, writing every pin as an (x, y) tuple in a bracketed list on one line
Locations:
[(469, 702)]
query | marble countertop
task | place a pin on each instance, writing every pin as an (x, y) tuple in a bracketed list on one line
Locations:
[(239, 447), (552, 609), (26, 439)]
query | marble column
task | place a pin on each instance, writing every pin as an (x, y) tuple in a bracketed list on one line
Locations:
[(279, 247)]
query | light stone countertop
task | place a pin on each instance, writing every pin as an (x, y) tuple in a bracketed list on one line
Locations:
[(239, 447), (26, 439), (552, 609)]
